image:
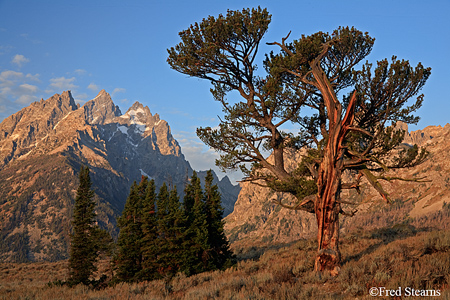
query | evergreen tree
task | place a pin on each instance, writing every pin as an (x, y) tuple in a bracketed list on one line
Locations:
[(171, 232), (219, 253), (192, 192), (129, 256), (177, 231), (196, 239), (158, 237), (84, 247), (150, 249)]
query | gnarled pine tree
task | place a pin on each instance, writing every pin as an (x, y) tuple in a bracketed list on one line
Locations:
[(346, 126)]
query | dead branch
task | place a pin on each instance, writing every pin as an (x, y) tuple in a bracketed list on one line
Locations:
[(307, 204)]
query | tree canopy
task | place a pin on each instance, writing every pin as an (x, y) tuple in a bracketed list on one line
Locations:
[(346, 110)]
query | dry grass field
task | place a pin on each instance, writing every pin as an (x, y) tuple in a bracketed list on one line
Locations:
[(379, 250), (391, 257)]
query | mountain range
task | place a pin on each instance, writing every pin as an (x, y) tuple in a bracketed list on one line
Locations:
[(257, 220), (42, 148)]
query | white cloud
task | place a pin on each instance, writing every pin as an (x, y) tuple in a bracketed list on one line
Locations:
[(7, 107), (5, 90), (5, 48), (82, 96), (34, 77), (19, 60), (28, 88), (27, 37), (16, 91), (79, 101), (9, 74), (80, 71), (26, 99), (118, 90), (200, 156), (63, 83), (9, 80), (93, 87)]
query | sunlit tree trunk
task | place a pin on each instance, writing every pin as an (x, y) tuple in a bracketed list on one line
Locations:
[(327, 205), (327, 208)]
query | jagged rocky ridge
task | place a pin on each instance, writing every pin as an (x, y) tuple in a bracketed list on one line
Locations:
[(257, 219), (41, 150)]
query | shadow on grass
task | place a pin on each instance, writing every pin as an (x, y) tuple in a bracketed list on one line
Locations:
[(385, 236)]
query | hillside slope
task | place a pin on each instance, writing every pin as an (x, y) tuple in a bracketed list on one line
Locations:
[(257, 219)]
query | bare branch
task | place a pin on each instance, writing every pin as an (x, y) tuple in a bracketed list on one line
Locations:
[(391, 178), (283, 45), (376, 185), (353, 128), (307, 204)]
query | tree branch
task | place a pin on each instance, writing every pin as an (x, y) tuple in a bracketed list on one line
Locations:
[(307, 204)]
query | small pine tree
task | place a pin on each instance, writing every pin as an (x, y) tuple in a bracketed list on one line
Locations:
[(150, 239), (84, 247), (171, 229), (192, 193), (128, 261), (220, 255), (196, 243)]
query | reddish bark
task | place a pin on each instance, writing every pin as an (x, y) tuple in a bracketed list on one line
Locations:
[(327, 205)]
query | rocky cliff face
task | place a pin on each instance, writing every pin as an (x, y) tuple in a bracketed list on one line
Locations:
[(256, 219), (41, 150)]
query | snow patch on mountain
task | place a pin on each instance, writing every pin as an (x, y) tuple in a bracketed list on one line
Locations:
[(123, 129), (62, 120), (145, 174), (139, 128)]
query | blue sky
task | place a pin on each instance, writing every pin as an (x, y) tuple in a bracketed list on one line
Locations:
[(47, 47)]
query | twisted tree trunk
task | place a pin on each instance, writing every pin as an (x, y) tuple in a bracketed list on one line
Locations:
[(327, 208), (327, 205)]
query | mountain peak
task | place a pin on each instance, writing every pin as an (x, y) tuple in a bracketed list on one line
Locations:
[(138, 108), (64, 99), (102, 96), (137, 105), (101, 109)]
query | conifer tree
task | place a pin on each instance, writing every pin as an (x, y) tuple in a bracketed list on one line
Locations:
[(177, 230), (171, 232), (84, 247), (219, 254), (192, 193), (158, 237), (129, 256), (197, 238), (205, 242), (150, 249), (195, 241)]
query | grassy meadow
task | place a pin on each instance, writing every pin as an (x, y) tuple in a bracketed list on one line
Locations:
[(379, 249), (391, 257)]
